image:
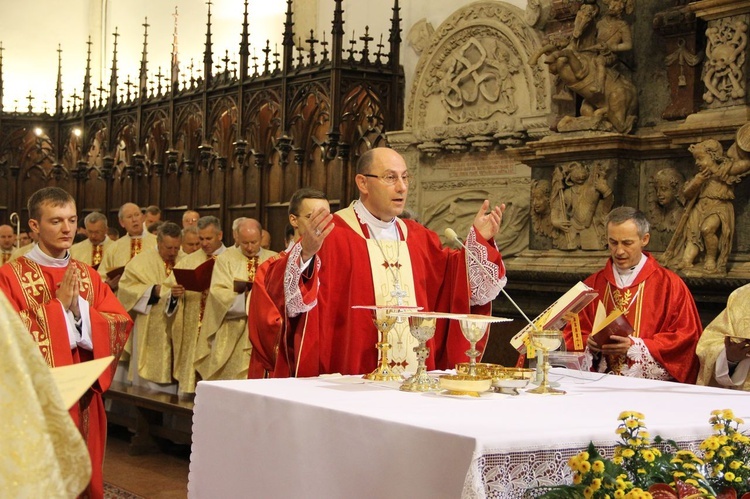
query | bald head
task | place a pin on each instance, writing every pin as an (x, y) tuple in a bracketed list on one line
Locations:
[(7, 237), (265, 239), (249, 233), (383, 182), (190, 219)]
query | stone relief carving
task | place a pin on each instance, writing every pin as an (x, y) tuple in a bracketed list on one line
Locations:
[(683, 57), (706, 228), (588, 64), (541, 213), (580, 200), (455, 211), (476, 82), (419, 36), (473, 89), (725, 60), (665, 201)]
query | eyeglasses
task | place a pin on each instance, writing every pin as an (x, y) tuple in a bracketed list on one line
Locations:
[(390, 178)]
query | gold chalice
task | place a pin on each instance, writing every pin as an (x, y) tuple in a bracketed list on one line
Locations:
[(384, 323), (474, 327), (545, 341), (422, 327)]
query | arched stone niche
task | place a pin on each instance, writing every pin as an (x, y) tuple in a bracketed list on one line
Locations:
[(474, 88)]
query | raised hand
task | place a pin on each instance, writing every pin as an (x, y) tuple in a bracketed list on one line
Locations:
[(314, 231), (488, 224)]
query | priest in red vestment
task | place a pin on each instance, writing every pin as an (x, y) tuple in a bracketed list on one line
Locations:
[(71, 314), (266, 311), (656, 302), (366, 255)]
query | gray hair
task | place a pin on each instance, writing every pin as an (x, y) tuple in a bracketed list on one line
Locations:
[(192, 229), (168, 229), (622, 214), (209, 221), (237, 222), (94, 217)]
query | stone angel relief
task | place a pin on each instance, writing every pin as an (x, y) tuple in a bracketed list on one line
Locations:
[(706, 229), (581, 199)]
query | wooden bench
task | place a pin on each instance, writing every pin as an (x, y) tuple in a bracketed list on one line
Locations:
[(147, 418)]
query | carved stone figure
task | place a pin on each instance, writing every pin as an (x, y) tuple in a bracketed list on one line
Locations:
[(586, 62), (725, 60), (581, 199), (665, 202), (541, 212), (707, 227)]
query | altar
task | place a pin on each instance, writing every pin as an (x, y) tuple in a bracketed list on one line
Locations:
[(341, 437)]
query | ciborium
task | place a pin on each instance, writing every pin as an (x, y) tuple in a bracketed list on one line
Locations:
[(384, 322), (545, 341)]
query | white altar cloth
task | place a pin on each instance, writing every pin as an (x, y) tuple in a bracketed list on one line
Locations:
[(340, 437)]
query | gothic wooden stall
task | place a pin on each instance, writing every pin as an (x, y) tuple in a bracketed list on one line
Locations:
[(231, 139)]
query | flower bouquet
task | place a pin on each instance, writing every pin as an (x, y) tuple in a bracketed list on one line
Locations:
[(640, 469)]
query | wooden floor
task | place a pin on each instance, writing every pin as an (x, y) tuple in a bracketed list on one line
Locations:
[(159, 476)]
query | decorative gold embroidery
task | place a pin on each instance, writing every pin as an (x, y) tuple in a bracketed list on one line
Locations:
[(96, 255), (252, 266), (622, 299), (35, 294)]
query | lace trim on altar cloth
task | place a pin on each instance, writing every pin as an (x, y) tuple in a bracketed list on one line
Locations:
[(295, 304), (484, 289), (519, 474), (643, 365)]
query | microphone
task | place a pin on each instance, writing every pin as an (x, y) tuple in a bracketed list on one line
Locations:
[(451, 235)]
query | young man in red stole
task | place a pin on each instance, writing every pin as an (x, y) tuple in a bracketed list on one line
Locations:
[(655, 301), (366, 255), (266, 310), (69, 311)]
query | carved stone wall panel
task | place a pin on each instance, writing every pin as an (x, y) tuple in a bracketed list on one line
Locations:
[(725, 69), (661, 198), (473, 84)]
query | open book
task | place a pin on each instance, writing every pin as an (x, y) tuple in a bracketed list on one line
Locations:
[(75, 379), (197, 279), (605, 326), (241, 286), (557, 314)]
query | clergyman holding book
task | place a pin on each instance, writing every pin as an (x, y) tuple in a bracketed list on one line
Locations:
[(655, 301)]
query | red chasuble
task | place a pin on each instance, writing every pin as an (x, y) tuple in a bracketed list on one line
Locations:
[(30, 288), (661, 310), (334, 338), (265, 322)]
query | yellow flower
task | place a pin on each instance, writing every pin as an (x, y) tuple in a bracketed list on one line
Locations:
[(678, 474), (648, 456), (585, 466), (617, 460), (632, 423), (619, 494), (729, 476), (598, 466), (577, 478), (641, 471), (727, 414), (628, 453), (726, 452), (588, 493), (735, 465), (584, 455), (627, 414), (596, 484)]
